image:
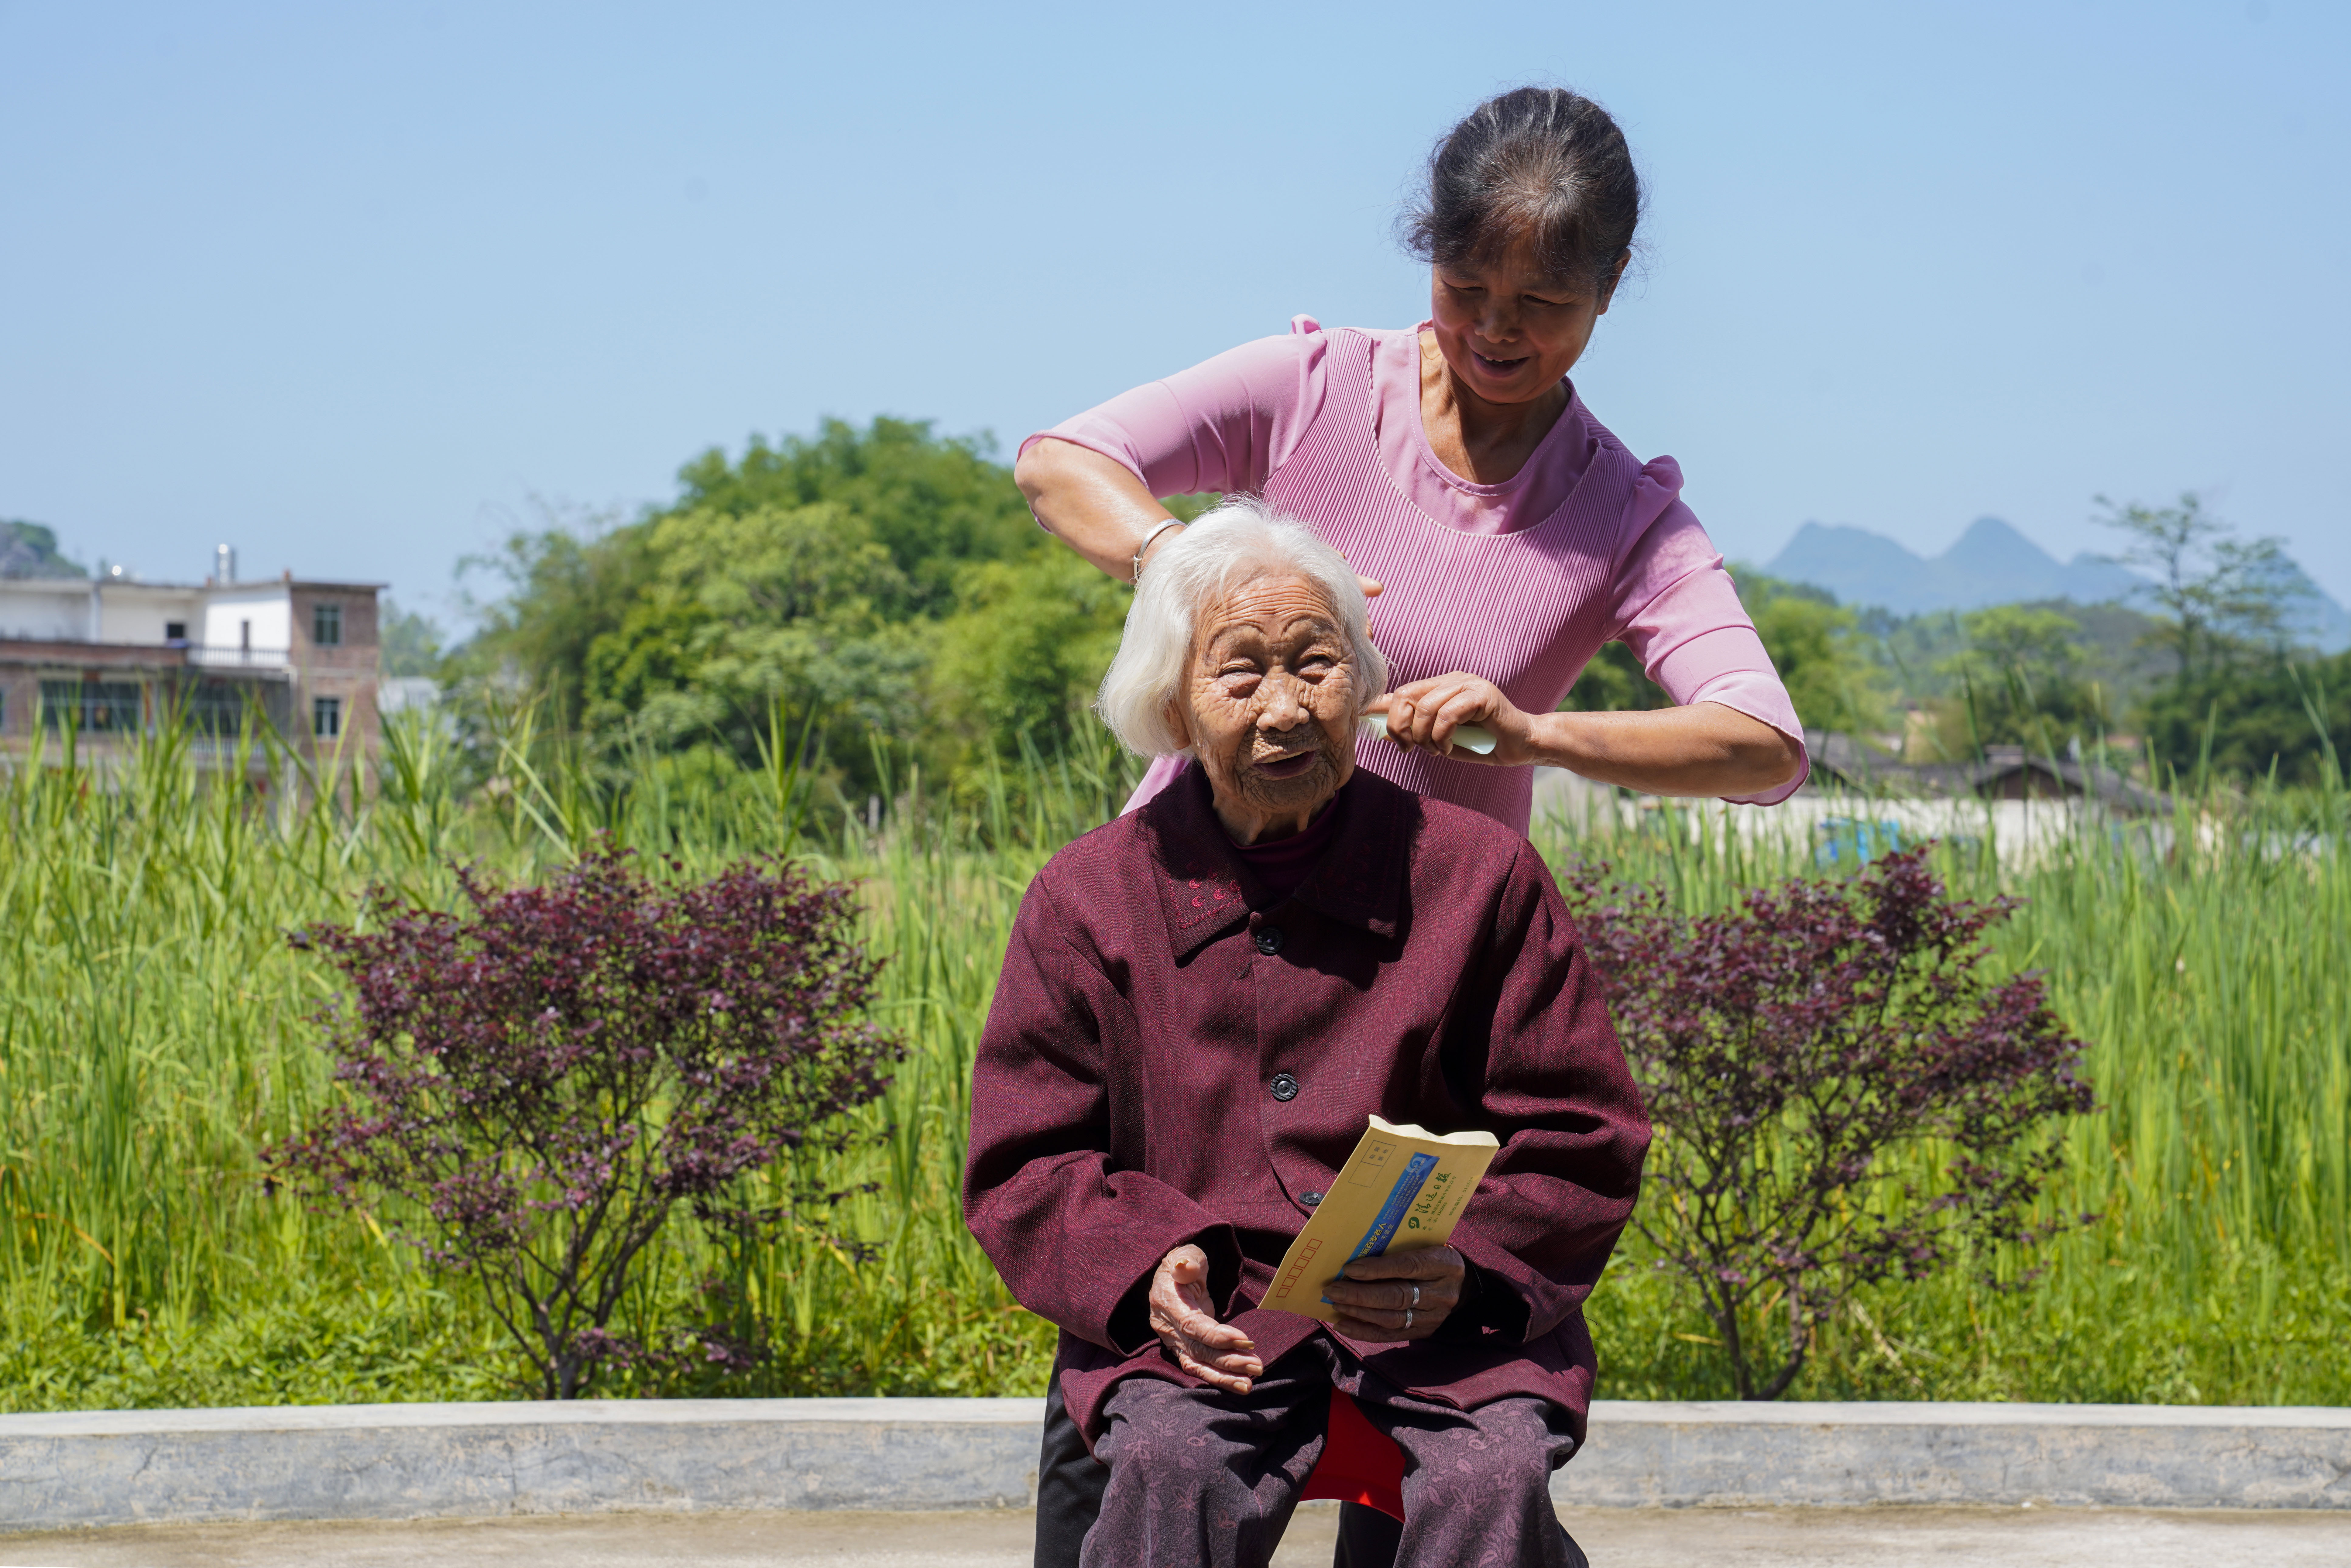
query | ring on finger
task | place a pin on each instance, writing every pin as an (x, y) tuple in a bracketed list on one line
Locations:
[(1407, 1317), (1415, 1297)]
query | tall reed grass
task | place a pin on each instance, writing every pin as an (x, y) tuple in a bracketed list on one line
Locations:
[(154, 1030)]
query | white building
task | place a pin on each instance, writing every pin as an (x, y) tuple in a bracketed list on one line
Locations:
[(110, 656)]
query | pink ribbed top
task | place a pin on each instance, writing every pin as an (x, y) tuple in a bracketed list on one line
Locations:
[(1520, 582)]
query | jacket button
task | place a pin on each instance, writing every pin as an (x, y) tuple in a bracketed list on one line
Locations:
[(1310, 1198), (1284, 1086), (1269, 940)]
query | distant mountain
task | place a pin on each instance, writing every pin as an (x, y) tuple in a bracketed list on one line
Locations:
[(28, 549), (1858, 567), (2316, 617), (1991, 563)]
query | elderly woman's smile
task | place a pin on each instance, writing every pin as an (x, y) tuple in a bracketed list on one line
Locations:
[(1269, 704)]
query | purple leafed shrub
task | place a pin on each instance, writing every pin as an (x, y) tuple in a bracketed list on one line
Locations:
[(539, 1080), (1841, 1093)]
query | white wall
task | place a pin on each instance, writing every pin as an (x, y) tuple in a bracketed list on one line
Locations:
[(43, 613), (2020, 832), (134, 613), (270, 609)]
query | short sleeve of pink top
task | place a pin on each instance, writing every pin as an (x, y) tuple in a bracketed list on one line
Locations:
[(1520, 582)]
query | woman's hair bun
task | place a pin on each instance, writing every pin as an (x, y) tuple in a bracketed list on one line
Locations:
[(1540, 165)]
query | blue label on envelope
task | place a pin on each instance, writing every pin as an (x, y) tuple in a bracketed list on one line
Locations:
[(1408, 1184)]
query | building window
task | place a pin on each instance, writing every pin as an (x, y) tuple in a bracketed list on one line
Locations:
[(219, 708), (175, 631), (327, 626), (326, 717), (110, 707)]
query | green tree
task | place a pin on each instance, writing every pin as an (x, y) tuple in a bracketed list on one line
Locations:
[(1815, 643), (933, 502), (2022, 679), (746, 610), (1614, 683), (1817, 646), (407, 644), (1024, 651), (30, 550), (2255, 712), (567, 584), (861, 574), (2216, 590)]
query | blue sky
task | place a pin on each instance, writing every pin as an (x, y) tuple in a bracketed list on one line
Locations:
[(350, 286)]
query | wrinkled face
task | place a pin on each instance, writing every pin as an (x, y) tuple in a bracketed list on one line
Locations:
[(1509, 331), (1270, 701)]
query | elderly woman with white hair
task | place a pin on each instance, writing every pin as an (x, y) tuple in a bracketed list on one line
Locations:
[(1203, 1001)]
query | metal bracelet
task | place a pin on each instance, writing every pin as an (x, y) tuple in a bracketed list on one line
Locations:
[(1136, 575)]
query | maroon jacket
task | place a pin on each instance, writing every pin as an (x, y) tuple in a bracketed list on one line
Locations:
[(1175, 1056)]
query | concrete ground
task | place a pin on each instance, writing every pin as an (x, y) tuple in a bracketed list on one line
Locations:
[(1615, 1537)]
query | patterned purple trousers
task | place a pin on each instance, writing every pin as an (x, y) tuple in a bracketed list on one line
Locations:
[(1200, 1478)]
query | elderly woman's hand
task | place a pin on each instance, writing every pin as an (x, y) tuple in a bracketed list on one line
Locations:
[(1186, 1321), (1397, 1295)]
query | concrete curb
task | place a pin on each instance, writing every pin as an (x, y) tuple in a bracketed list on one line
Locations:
[(1727, 1453), (406, 1461)]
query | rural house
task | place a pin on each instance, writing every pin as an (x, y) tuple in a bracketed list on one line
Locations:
[(112, 657)]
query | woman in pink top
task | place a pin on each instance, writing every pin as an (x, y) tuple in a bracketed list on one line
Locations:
[(1506, 533)]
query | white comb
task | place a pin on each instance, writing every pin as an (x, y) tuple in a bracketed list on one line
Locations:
[(1466, 737)]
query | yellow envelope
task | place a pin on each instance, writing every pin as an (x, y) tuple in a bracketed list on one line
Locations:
[(1402, 1188)]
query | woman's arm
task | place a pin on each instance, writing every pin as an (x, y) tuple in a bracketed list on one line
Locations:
[(1071, 1237), (1734, 734), (1098, 507), (1705, 748), (1090, 503), (1224, 424)]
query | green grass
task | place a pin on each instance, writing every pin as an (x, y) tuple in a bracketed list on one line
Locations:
[(154, 1030)]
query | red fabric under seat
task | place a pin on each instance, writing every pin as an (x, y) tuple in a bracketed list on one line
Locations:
[(1358, 1465)]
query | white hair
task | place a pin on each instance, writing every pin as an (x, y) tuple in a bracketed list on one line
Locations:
[(1195, 567)]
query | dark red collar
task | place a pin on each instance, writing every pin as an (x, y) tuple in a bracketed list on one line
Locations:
[(1205, 885)]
